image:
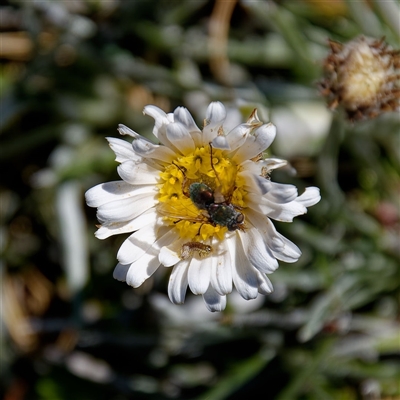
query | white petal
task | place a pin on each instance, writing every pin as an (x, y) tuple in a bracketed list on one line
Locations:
[(250, 183), (237, 136), (215, 113), (167, 236), (220, 142), (124, 130), (255, 143), (256, 167), (167, 257), (114, 228), (170, 254), (183, 116), (123, 150), (146, 148), (160, 117), (310, 197), (178, 282), (221, 270), (215, 117), (272, 163), (170, 118), (243, 273), (162, 120), (180, 137), (261, 223), (120, 272), (276, 192), (284, 249), (143, 268), (138, 174), (268, 164), (137, 244), (264, 284), (256, 251), (280, 212), (155, 151), (285, 212), (199, 275), (126, 209), (116, 190), (281, 247), (214, 301), (256, 202)]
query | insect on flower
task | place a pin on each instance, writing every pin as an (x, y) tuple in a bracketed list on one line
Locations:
[(214, 208), (189, 248), (184, 201)]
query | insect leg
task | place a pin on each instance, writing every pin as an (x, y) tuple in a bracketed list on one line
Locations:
[(184, 182)]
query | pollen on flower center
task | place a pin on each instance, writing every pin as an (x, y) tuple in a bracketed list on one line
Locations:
[(190, 184)]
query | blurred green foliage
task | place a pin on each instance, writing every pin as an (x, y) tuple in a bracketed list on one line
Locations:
[(70, 72)]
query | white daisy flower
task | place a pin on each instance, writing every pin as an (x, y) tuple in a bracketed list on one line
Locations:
[(200, 203)]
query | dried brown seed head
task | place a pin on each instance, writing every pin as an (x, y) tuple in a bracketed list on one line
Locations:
[(362, 77)]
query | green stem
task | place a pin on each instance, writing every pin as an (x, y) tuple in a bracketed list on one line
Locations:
[(328, 163)]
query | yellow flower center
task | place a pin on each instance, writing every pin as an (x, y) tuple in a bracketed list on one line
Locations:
[(178, 193)]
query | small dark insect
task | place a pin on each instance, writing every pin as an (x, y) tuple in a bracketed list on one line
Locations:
[(189, 248), (220, 213), (223, 214)]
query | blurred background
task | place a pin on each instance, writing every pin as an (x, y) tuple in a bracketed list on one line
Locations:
[(71, 71)]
